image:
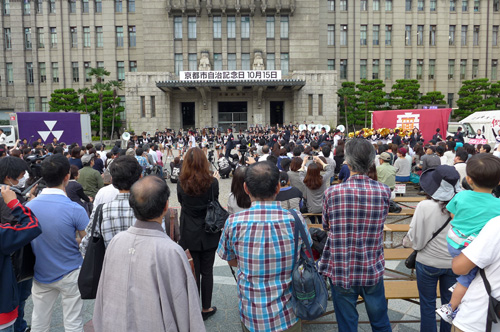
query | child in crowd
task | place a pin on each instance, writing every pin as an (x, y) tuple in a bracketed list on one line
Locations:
[(471, 210)]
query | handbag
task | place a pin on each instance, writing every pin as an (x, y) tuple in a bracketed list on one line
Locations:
[(90, 273), (23, 262), (216, 215), (309, 292), (493, 304), (411, 261), (173, 216)]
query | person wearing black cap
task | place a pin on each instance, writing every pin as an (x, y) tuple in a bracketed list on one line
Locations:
[(433, 260)]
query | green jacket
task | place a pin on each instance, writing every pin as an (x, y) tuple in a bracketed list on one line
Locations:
[(91, 181)]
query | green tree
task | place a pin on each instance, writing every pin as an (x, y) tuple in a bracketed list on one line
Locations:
[(64, 100), (371, 97), (347, 104), (474, 95), (110, 111), (405, 94), (433, 98), (494, 99)]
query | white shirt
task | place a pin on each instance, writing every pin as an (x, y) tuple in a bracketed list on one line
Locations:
[(102, 154), (460, 167), (3, 138), (105, 195), (192, 142), (483, 252)]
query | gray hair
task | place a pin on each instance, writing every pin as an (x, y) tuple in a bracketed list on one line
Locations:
[(359, 155)]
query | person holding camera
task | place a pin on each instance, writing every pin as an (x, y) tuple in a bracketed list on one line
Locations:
[(224, 166)]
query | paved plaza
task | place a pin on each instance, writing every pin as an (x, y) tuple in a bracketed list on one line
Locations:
[(225, 295)]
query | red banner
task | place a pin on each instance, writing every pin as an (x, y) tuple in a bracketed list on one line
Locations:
[(426, 120)]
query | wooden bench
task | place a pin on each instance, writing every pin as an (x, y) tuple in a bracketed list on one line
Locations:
[(403, 215), (404, 201), (395, 228), (394, 254)]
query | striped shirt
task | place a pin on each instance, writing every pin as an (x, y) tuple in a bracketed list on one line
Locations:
[(261, 240), (354, 213)]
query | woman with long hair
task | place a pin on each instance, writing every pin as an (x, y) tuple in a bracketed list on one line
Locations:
[(316, 184), (238, 199), (196, 187)]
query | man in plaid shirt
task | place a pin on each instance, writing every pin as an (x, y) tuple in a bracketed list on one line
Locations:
[(354, 213), (259, 241), (117, 215)]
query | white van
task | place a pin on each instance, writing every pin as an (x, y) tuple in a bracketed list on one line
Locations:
[(487, 121), (10, 133)]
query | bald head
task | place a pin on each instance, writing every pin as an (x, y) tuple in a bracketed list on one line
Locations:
[(148, 198)]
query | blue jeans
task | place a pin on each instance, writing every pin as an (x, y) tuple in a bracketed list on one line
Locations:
[(24, 291), (8, 329), (466, 279), (427, 279), (344, 303)]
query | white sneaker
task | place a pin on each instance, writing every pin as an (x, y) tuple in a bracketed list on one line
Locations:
[(452, 288), (447, 313)]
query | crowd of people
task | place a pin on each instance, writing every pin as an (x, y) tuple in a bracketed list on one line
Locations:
[(345, 184)]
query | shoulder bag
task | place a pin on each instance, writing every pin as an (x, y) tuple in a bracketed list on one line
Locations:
[(90, 273), (411, 261), (493, 304), (173, 217), (216, 215), (23, 262)]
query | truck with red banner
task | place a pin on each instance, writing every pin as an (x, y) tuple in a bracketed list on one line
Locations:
[(489, 124)]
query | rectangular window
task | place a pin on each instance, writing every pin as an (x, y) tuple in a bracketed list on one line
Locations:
[(45, 104), (87, 68), (331, 34), (10, 73), (463, 68), (192, 61), (433, 5), (343, 69), (27, 38), (432, 35), (245, 27), (465, 5), (451, 35), (420, 35), (408, 5), (388, 35), (420, 69), (99, 37), (450, 99), (119, 36), (284, 64), (52, 6), (388, 5), (120, 70), (217, 27), (343, 5), (245, 61), (231, 27), (420, 5), (284, 27), (86, 36), (178, 27), (98, 6), (85, 6), (31, 104), (43, 72), (407, 69), (41, 37), (133, 66), (131, 6), (8, 38), (178, 63), (453, 5), (39, 6), (494, 70), (363, 5), (464, 35), (271, 61), (75, 71), (231, 61), (132, 39), (343, 35), (496, 5), (118, 6), (310, 104), (74, 37), (476, 5), (6, 7), (432, 69), (408, 35), (475, 37), (153, 106), (475, 68), (270, 27), (55, 72), (362, 69), (191, 27), (29, 73), (331, 5), (72, 6), (376, 5), (494, 36), (388, 69), (320, 104), (100, 64), (218, 61), (376, 35), (330, 64), (451, 69), (375, 69), (143, 107), (27, 7), (362, 35)]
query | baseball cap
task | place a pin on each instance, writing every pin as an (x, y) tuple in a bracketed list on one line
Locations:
[(385, 156)]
